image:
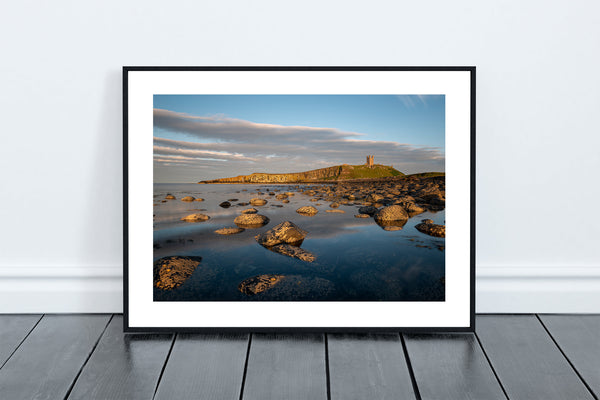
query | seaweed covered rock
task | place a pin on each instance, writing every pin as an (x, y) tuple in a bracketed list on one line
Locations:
[(172, 272)]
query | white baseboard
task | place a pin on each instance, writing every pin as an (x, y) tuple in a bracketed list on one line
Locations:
[(538, 289), (506, 289), (52, 289)]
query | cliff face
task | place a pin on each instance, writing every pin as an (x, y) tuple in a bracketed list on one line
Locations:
[(314, 175), (338, 172)]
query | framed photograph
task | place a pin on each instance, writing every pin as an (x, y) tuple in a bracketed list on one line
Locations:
[(299, 198)]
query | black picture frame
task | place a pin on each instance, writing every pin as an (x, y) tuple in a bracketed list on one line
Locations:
[(128, 328)]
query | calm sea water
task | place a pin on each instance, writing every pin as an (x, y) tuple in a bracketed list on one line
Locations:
[(356, 259)]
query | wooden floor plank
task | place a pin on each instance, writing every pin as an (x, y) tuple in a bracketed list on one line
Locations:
[(13, 329), (286, 366), (368, 366), (579, 338), (526, 360), (451, 366), (123, 366), (46, 364), (205, 367)]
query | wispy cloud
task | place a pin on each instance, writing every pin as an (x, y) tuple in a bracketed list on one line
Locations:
[(220, 147), (237, 130), (412, 101)]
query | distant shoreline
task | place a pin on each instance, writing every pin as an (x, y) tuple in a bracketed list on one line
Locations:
[(330, 182)]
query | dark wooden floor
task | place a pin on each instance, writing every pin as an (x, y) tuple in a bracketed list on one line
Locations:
[(511, 356)]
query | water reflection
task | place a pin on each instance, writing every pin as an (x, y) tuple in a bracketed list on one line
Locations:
[(356, 259)]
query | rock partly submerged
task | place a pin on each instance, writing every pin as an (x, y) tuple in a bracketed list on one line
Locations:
[(195, 217), (229, 231), (429, 228), (172, 272), (294, 252), (249, 211), (188, 198), (307, 210), (411, 208), (251, 220), (390, 214), (258, 284), (286, 232), (336, 211), (225, 204), (170, 197), (258, 202)]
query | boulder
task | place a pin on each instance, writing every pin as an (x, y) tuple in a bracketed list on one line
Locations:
[(258, 202), (199, 199), (286, 232), (411, 208), (294, 252), (391, 213), (170, 197), (258, 284), (307, 210), (229, 231), (374, 198), (188, 198), (281, 196), (171, 272), (250, 211), (431, 229), (251, 220), (195, 218), (334, 205), (225, 204)]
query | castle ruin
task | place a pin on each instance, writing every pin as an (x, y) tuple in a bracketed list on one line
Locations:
[(370, 162)]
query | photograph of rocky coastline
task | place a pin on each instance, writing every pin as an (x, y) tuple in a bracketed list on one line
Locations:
[(299, 198)]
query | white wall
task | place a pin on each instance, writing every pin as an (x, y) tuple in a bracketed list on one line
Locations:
[(538, 127)]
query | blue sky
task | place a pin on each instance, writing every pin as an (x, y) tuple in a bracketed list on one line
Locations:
[(200, 137)]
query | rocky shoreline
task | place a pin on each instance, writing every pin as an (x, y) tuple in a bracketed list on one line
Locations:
[(389, 202)]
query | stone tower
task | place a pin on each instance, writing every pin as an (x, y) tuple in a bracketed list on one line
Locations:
[(370, 161)]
